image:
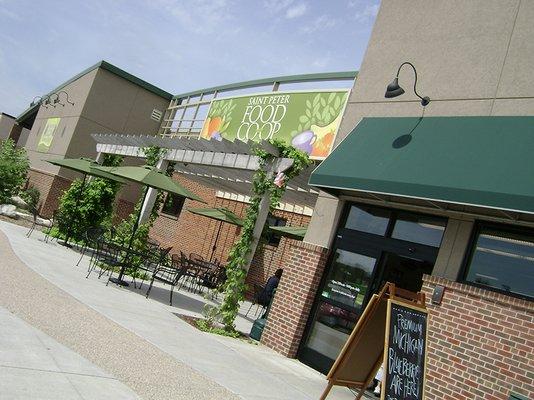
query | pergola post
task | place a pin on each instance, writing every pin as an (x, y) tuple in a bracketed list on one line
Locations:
[(151, 195), (272, 167)]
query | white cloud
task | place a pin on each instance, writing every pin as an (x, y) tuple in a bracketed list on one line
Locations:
[(296, 11), (368, 12), (276, 6), (319, 23), (205, 17)]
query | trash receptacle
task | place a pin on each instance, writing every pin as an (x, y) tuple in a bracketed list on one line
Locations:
[(259, 324), (257, 328)]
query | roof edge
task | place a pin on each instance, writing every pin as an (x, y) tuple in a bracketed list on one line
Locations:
[(322, 76), (108, 67)]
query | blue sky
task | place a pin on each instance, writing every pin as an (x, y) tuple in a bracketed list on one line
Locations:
[(176, 45)]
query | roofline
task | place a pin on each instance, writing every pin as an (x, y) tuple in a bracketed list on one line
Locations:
[(8, 115), (108, 67), (322, 76)]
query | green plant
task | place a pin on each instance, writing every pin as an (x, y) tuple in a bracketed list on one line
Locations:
[(235, 287), (205, 326), (14, 166), (31, 196), (91, 205)]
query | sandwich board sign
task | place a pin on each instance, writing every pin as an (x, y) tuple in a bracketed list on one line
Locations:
[(392, 332)]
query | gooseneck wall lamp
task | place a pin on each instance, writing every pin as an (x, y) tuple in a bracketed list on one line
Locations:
[(51, 99), (394, 90)]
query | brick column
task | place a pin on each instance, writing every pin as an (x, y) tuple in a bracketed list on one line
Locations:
[(480, 344), (294, 297)]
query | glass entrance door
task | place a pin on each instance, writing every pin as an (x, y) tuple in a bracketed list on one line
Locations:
[(373, 246), (341, 301)]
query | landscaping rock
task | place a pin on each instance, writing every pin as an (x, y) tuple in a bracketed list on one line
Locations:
[(28, 217), (19, 202), (9, 210)]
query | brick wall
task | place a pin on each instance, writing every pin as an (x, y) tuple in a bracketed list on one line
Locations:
[(51, 188), (294, 297), (481, 344), (193, 233)]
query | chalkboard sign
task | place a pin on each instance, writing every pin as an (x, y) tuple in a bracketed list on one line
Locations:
[(405, 352)]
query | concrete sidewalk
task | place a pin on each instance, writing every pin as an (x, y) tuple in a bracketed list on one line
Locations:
[(246, 370), (35, 366)]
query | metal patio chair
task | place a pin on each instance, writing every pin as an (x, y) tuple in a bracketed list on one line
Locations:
[(168, 273)]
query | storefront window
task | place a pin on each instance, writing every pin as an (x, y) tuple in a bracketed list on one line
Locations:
[(419, 229), (503, 260), (367, 219)]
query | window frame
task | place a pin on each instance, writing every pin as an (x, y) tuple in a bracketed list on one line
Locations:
[(470, 252), (170, 215), (270, 234)]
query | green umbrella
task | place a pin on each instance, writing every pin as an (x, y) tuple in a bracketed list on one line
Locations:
[(221, 214), (293, 232), (86, 166), (150, 177)]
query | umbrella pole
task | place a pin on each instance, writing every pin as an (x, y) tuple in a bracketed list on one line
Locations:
[(216, 239), (76, 203), (119, 280)]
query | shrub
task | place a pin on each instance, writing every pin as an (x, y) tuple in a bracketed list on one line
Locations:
[(80, 210), (31, 196), (13, 169)]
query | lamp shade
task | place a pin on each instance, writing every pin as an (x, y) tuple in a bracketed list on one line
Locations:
[(393, 89)]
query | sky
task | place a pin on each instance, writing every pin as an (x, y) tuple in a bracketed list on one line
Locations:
[(177, 45)]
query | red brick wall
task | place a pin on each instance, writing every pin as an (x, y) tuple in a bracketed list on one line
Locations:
[(481, 344), (193, 233), (51, 188), (294, 297)]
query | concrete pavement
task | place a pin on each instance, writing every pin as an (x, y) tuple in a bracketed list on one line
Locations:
[(208, 366)]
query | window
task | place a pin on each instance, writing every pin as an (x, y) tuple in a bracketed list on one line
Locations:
[(173, 205), (273, 239), (368, 219), (419, 229), (502, 259)]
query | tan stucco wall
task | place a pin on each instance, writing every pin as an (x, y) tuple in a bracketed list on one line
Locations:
[(6, 123), (104, 103), (70, 114), (472, 58)]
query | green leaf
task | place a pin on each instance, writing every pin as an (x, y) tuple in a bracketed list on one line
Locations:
[(323, 102), (303, 119), (308, 104), (337, 103), (331, 97)]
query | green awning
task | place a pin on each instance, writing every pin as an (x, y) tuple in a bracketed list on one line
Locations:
[(480, 161), (293, 232)]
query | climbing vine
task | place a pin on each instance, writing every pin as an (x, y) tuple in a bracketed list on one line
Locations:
[(235, 287)]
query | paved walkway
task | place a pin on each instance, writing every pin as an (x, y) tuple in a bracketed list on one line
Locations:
[(137, 341)]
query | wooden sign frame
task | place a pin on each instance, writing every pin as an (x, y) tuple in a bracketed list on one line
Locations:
[(363, 353)]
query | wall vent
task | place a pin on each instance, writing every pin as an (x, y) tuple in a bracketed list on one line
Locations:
[(156, 115)]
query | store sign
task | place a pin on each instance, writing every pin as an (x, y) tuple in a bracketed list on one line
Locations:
[(45, 140), (405, 354), (307, 120)]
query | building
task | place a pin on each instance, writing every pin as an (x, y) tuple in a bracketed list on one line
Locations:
[(433, 197), (440, 196), (103, 98)]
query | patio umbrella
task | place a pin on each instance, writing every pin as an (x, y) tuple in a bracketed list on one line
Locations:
[(150, 177), (293, 232), (86, 166), (221, 214)]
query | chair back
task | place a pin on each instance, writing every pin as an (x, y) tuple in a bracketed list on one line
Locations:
[(196, 257)]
